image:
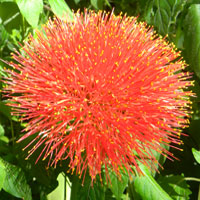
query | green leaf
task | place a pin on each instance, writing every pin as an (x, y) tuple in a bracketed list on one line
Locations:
[(175, 186), (4, 139), (196, 155), (192, 39), (31, 10), (2, 174), (166, 13), (61, 9), (86, 190), (58, 193), (16, 36), (4, 36), (147, 187), (148, 11), (118, 186), (76, 1), (97, 4), (4, 109), (1, 130), (15, 182), (2, 1), (159, 157)]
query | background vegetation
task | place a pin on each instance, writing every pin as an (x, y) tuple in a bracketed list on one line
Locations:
[(20, 178)]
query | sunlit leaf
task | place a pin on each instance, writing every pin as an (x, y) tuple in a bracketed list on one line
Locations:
[(4, 139), (31, 10), (2, 1), (196, 155), (148, 188), (62, 188), (1, 130), (2, 174), (61, 9)]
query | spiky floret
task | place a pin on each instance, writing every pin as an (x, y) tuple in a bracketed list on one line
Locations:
[(103, 90)]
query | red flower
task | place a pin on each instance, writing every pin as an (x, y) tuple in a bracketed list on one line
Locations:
[(102, 90)]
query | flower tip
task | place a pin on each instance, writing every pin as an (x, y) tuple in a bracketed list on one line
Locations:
[(18, 141)]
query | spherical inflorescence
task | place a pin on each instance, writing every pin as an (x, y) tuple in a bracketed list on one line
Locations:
[(103, 91)]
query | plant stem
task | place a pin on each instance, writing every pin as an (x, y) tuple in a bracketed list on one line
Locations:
[(192, 179)]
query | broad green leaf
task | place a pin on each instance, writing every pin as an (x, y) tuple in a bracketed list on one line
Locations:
[(131, 190), (175, 186), (1, 130), (4, 139), (196, 155), (166, 13), (31, 10), (15, 182), (147, 187), (86, 190), (156, 155), (118, 186), (58, 193), (1, 1), (2, 174), (97, 4), (192, 38), (61, 9)]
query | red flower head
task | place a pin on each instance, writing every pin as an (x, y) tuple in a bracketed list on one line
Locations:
[(103, 91)]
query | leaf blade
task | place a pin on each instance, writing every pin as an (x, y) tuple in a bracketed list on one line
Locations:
[(97, 4), (15, 182), (2, 174), (118, 186), (196, 155), (176, 186), (31, 10), (192, 39), (61, 9), (147, 187), (164, 14)]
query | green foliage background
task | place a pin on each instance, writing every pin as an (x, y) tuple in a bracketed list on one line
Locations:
[(22, 179)]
